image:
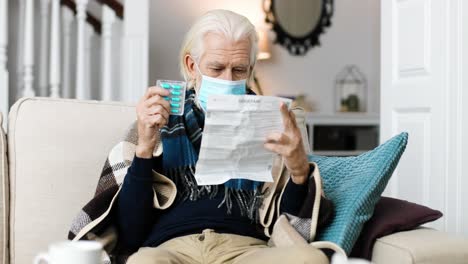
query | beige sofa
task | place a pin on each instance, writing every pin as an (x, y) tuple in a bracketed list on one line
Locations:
[(53, 155)]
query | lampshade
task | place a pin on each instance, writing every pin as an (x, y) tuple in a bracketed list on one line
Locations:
[(263, 45)]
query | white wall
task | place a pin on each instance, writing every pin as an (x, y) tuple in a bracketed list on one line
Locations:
[(353, 38)]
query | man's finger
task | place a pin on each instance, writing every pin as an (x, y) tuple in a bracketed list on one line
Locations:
[(157, 99), (276, 148), (285, 115), (292, 115), (272, 147), (156, 90), (276, 137), (148, 93), (158, 109), (158, 120)]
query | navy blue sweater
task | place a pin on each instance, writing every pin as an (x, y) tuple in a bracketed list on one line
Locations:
[(141, 225)]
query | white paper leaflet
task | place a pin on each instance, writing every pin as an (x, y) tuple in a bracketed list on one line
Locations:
[(235, 131)]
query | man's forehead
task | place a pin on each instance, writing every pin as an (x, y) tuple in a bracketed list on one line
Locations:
[(213, 40), (218, 49)]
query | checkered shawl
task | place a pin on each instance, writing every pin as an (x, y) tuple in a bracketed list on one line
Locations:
[(111, 178)]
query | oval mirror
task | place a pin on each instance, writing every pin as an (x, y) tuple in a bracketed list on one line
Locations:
[(298, 23)]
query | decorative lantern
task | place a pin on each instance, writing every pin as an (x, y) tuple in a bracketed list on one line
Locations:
[(350, 87)]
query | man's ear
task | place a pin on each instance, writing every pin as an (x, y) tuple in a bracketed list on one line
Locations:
[(190, 64)]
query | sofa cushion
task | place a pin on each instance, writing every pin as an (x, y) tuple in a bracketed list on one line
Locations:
[(354, 184), (56, 151), (391, 216), (420, 246), (3, 195)]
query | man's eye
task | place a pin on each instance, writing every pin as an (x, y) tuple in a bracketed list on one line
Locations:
[(240, 70), (216, 69)]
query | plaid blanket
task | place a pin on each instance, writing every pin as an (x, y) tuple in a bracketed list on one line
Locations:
[(95, 221)]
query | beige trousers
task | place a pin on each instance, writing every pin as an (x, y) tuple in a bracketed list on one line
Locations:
[(211, 247)]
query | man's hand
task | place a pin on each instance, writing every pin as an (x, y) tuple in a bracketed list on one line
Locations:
[(152, 114), (289, 145)]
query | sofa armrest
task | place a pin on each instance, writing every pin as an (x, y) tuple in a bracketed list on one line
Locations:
[(3, 195), (422, 245), (53, 170)]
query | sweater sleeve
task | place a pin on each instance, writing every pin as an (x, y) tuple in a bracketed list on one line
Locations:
[(135, 211), (294, 196)]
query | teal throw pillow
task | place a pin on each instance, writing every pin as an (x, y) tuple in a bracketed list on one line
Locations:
[(354, 185)]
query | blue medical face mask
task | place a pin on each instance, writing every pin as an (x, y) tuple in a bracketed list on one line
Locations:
[(214, 86)]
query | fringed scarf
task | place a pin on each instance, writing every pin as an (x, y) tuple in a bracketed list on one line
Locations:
[(181, 139)]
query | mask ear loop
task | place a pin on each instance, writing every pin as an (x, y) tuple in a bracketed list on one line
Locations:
[(196, 66), (197, 103)]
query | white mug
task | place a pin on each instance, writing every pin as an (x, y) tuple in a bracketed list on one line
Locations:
[(72, 252), (340, 259)]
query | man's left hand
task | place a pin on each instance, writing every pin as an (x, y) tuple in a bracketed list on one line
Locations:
[(290, 146)]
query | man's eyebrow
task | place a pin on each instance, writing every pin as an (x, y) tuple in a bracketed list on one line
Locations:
[(216, 64), (241, 66)]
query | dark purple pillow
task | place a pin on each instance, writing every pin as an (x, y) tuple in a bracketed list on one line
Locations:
[(391, 216)]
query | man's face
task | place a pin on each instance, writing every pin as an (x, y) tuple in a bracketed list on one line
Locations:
[(223, 59)]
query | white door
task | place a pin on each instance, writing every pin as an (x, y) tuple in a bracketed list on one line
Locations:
[(421, 85)]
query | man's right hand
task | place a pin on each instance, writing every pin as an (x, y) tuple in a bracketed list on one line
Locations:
[(152, 114)]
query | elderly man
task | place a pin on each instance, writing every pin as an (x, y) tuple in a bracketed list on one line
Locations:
[(206, 224)]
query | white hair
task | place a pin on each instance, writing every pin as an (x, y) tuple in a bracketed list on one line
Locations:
[(233, 26)]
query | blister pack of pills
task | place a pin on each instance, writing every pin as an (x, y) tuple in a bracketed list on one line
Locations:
[(177, 95)]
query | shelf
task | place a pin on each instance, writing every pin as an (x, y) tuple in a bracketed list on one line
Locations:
[(344, 119)]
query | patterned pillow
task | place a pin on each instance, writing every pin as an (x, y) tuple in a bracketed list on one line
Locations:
[(354, 184)]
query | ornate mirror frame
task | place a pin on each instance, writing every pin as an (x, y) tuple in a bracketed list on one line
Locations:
[(294, 44)]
